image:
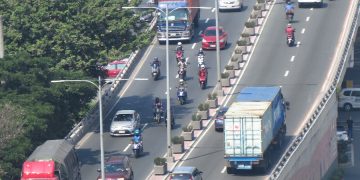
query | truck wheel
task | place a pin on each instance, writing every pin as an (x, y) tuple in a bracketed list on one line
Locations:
[(229, 170)]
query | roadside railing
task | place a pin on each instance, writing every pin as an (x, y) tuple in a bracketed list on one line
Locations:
[(345, 48)]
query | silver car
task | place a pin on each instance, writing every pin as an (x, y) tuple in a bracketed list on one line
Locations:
[(124, 122), (186, 173)]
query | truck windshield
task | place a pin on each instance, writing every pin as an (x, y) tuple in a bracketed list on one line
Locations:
[(177, 15)]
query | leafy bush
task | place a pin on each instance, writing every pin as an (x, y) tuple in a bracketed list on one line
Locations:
[(224, 75), (238, 50), (250, 24), (177, 140), (159, 161), (245, 35), (241, 43), (260, 1), (187, 128), (196, 117), (229, 67)]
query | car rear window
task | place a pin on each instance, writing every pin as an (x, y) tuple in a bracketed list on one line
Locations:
[(123, 117), (213, 32), (113, 168), (180, 176)]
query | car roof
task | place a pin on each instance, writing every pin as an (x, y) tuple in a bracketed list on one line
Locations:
[(116, 159), (184, 169), (213, 28), (125, 112)]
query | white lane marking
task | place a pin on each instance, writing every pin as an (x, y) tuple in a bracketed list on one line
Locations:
[(292, 58), (169, 89), (311, 9), (298, 44), (207, 19), (200, 33), (177, 76), (286, 73), (303, 31), (193, 46), (213, 10), (142, 129), (223, 170), (308, 18), (127, 147)]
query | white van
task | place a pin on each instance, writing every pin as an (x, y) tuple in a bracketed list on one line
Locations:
[(349, 98), (318, 3), (230, 5)]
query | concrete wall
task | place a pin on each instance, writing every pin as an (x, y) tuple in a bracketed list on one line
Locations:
[(318, 153)]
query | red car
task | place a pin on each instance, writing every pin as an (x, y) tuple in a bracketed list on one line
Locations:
[(117, 167), (114, 68), (209, 38)]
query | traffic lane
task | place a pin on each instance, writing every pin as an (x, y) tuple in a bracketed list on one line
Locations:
[(123, 143), (291, 89)]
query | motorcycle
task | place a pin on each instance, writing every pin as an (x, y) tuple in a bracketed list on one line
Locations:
[(182, 95), (182, 73), (137, 149), (290, 41), (202, 81), (155, 71), (200, 60), (157, 115), (290, 16)]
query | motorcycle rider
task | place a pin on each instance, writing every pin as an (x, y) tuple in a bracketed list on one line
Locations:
[(203, 72), (156, 62), (158, 105), (182, 84), (290, 31), (137, 138), (201, 52), (289, 9), (182, 64), (179, 47)]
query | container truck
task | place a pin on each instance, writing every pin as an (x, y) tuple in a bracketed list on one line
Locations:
[(181, 21), (254, 124), (53, 160)]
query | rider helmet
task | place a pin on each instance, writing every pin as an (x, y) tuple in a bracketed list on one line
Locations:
[(289, 25), (156, 59), (179, 43), (137, 132), (200, 50), (202, 66), (181, 81), (288, 2), (157, 100)]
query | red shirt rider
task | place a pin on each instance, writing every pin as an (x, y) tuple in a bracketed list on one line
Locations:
[(202, 72), (290, 31)]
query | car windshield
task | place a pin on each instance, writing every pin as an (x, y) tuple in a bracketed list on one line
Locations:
[(180, 176), (123, 117), (113, 168), (177, 15), (212, 32), (111, 67)]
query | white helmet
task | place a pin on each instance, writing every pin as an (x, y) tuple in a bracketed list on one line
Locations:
[(179, 43), (181, 81), (202, 66), (289, 25)]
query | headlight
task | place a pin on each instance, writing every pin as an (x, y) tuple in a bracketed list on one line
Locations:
[(203, 40), (186, 33)]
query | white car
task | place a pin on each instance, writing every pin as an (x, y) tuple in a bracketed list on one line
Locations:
[(318, 3), (349, 98), (124, 122), (230, 4), (341, 134)]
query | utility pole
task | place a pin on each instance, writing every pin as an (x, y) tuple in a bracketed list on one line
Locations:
[(1, 39)]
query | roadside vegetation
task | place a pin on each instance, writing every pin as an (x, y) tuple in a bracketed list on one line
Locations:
[(47, 40)]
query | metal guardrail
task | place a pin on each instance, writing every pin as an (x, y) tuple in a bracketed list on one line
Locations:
[(275, 174), (83, 126)]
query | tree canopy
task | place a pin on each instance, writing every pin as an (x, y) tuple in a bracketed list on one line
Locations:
[(55, 39)]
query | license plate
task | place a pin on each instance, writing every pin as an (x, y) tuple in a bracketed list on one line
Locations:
[(212, 45), (122, 132)]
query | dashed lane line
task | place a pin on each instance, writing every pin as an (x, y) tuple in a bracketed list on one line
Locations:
[(292, 58)]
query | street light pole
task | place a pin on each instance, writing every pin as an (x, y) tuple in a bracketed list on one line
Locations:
[(218, 71), (168, 110), (100, 119), (1, 39)]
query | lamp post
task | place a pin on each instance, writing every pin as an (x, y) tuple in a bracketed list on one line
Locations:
[(1, 39), (168, 109), (218, 71), (100, 119)]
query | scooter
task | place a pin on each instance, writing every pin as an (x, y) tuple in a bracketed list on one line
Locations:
[(158, 115), (182, 96), (182, 74), (137, 149), (202, 81), (290, 41), (155, 72)]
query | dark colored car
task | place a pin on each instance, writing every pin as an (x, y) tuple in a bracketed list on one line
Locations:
[(118, 167), (209, 38), (219, 120)]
